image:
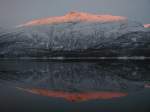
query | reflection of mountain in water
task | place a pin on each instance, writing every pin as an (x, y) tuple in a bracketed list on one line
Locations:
[(75, 96), (78, 76)]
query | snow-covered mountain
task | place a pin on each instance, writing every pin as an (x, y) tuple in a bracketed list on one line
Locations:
[(76, 34)]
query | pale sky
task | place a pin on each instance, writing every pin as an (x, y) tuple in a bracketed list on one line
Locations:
[(15, 12)]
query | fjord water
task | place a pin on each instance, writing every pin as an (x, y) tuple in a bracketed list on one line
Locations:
[(74, 86)]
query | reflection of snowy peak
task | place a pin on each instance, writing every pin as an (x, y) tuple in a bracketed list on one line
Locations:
[(69, 35)]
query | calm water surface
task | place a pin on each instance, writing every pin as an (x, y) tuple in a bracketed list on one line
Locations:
[(71, 86)]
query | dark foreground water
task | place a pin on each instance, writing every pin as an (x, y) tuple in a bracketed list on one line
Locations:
[(70, 86)]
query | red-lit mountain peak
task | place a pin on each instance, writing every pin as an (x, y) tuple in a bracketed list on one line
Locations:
[(75, 17)]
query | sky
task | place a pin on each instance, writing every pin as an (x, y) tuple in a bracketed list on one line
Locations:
[(15, 12)]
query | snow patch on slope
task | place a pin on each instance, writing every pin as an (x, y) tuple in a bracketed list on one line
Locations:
[(147, 25)]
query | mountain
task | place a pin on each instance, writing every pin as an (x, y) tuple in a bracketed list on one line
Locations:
[(76, 34)]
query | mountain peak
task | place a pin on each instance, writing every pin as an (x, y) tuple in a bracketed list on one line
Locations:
[(75, 16), (73, 13), (78, 14)]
